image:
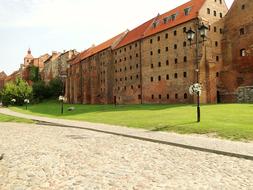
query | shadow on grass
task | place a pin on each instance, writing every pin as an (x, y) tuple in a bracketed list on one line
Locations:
[(165, 128)]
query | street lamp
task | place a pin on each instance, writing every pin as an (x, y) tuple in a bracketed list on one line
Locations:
[(27, 101), (201, 30), (63, 76)]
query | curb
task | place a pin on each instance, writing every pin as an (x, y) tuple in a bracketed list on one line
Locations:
[(220, 152)]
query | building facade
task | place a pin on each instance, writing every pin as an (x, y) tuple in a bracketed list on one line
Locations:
[(154, 63), (237, 45)]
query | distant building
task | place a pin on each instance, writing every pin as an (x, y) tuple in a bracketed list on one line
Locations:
[(2, 79), (56, 65)]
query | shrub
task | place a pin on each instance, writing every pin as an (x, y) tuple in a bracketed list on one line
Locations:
[(18, 90)]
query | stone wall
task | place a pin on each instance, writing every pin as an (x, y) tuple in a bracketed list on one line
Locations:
[(245, 94)]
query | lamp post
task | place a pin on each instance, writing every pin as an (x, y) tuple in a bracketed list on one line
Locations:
[(63, 76), (201, 30), (27, 101)]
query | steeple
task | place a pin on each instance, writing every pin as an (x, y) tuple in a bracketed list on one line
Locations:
[(29, 51)]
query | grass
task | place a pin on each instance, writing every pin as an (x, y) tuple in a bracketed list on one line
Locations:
[(6, 118), (231, 121)]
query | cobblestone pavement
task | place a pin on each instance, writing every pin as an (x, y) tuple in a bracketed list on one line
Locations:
[(48, 157)]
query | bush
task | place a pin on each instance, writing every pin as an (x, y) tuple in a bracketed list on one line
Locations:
[(55, 87), (18, 90), (40, 91)]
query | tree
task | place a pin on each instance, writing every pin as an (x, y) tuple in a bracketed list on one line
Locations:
[(41, 91), (18, 90), (56, 87), (34, 73)]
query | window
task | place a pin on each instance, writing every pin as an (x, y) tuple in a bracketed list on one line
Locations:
[(221, 31), (220, 1), (151, 41), (242, 52), (154, 24), (220, 15), (187, 11), (185, 74), (151, 53), (125, 59), (175, 75), (176, 96), (242, 32), (173, 17), (185, 59), (137, 76), (175, 33), (136, 55), (115, 61), (159, 64), (216, 44), (176, 61), (158, 38), (175, 46), (152, 66), (243, 7), (152, 96), (217, 74), (136, 44), (185, 96), (159, 51), (166, 35), (124, 87), (137, 66), (160, 96), (151, 79), (139, 96), (159, 78), (130, 47), (208, 11), (130, 57), (125, 78), (184, 29), (130, 67), (166, 49), (165, 20), (215, 29), (214, 13), (217, 58), (125, 49), (168, 96), (184, 44), (167, 62), (167, 77)]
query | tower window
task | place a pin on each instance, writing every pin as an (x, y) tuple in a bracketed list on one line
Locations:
[(242, 52), (242, 31)]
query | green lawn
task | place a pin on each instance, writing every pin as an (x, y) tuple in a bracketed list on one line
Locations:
[(232, 121), (6, 118)]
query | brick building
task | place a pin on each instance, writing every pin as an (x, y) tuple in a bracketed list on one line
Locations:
[(154, 62), (237, 71), (90, 77), (2, 79)]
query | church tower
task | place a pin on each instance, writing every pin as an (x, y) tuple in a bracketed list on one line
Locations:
[(28, 58)]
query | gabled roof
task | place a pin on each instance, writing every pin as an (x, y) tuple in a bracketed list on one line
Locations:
[(147, 28), (135, 34), (3, 75), (95, 49), (180, 17)]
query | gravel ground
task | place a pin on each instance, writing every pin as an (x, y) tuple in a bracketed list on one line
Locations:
[(48, 157)]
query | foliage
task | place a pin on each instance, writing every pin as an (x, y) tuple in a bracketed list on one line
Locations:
[(34, 73), (18, 90), (42, 91), (55, 87), (231, 121)]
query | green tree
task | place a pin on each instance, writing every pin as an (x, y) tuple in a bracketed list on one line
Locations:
[(55, 87), (18, 90), (34, 73)]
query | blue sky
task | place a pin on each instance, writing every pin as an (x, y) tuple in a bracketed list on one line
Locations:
[(57, 25)]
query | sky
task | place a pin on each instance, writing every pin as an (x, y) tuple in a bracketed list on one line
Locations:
[(58, 25)]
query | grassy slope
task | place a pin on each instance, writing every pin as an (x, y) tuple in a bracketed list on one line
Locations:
[(6, 118), (233, 121)]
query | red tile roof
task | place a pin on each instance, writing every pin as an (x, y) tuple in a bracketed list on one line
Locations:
[(135, 34), (147, 28), (194, 6)]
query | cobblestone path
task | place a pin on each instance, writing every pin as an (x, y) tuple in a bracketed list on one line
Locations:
[(43, 157)]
